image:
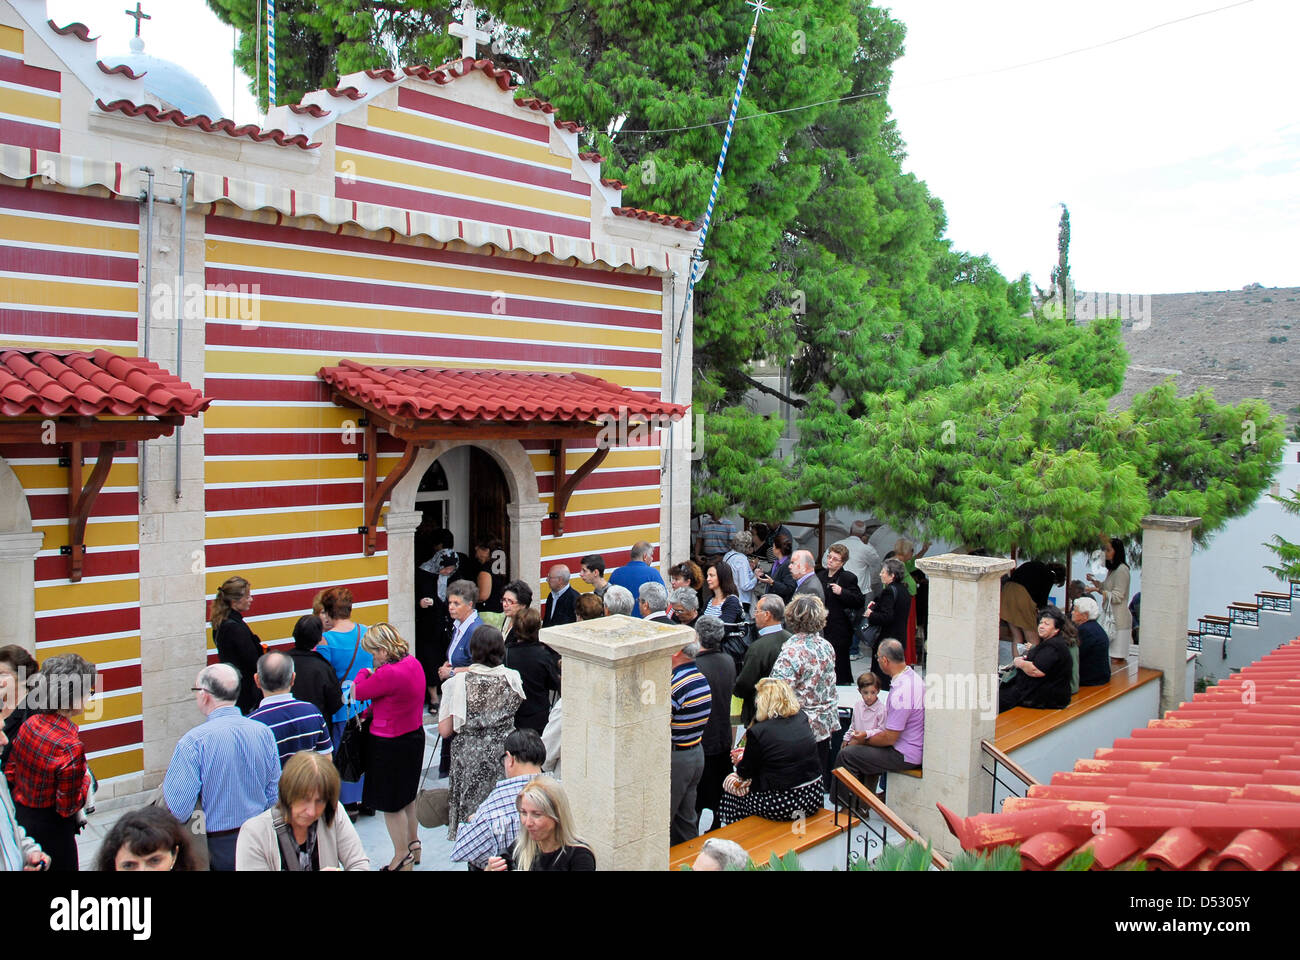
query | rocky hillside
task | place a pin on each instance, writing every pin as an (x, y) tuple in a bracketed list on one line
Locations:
[(1242, 343)]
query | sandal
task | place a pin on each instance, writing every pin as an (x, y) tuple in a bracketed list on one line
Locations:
[(413, 848), (407, 863)]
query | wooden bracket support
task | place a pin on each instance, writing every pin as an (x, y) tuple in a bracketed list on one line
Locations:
[(565, 485), (81, 500), (376, 491)]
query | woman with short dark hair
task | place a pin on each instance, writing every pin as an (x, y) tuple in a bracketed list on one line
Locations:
[(314, 680), (1042, 676), (516, 597), (478, 707), (538, 667), (147, 840), (18, 669), (888, 612)]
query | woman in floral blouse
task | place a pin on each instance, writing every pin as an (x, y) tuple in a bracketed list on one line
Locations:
[(807, 663)]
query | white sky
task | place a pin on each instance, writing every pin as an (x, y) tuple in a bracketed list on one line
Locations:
[(1178, 151)]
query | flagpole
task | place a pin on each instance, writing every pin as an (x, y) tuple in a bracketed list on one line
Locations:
[(270, 54), (760, 6)]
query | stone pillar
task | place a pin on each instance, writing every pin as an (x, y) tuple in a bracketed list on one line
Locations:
[(1166, 574), (174, 580), (615, 738), (526, 541), (961, 696), (17, 588), (400, 527)]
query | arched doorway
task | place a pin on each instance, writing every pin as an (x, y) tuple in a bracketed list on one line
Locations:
[(18, 548), (464, 491), (521, 528)]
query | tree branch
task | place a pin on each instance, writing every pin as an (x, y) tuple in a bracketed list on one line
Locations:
[(764, 388)]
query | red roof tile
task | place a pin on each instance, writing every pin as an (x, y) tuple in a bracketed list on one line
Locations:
[(121, 68), (681, 223), (311, 109), (431, 393), (352, 93), (207, 124), (616, 184), (81, 31), (1214, 785), (48, 384), (591, 156)]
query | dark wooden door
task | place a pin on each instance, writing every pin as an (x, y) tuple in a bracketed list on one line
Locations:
[(489, 496)]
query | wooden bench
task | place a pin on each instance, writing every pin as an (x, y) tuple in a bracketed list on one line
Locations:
[(762, 838), (1021, 725)]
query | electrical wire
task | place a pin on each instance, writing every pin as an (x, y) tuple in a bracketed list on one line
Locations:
[(964, 76)]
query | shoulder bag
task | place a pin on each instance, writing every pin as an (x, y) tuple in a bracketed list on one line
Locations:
[(350, 757)]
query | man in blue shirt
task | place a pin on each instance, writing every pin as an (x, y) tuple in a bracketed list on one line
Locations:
[(228, 762), (636, 571), (295, 725)]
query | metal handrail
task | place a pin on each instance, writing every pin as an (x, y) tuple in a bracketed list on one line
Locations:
[(891, 819), (1017, 771)]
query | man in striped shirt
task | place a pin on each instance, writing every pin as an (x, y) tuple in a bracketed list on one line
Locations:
[(295, 725), (692, 701), (228, 761)]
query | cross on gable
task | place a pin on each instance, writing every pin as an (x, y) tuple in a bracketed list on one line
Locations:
[(467, 29), (137, 14)]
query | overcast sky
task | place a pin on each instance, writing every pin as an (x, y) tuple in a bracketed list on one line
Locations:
[(1178, 151)]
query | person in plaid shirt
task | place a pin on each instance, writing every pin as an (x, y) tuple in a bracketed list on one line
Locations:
[(494, 827), (46, 768)]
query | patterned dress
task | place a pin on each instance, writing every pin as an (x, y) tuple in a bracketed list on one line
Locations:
[(477, 748), (807, 663)]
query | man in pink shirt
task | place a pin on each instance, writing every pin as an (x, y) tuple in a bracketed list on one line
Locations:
[(898, 745)]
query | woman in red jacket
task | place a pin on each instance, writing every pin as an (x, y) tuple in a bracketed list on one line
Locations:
[(395, 742)]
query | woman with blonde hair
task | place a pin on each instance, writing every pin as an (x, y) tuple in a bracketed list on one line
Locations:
[(236, 644), (395, 740), (307, 829), (547, 840), (778, 776)]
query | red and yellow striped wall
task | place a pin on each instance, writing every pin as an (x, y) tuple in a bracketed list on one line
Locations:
[(68, 268), (284, 488), (29, 97), (439, 156)]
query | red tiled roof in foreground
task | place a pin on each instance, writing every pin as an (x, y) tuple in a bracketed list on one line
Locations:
[(250, 130), (681, 223), (48, 384), (1215, 785), (431, 393)]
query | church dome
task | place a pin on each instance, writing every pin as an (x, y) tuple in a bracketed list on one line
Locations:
[(169, 82)]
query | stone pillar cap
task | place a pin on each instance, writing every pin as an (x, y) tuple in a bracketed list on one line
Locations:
[(1155, 521), (617, 639), (963, 566)]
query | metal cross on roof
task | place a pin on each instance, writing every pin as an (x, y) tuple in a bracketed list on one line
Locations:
[(137, 14), (759, 7), (470, 35)]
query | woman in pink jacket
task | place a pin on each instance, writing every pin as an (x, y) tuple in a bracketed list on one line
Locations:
[(395, 742)]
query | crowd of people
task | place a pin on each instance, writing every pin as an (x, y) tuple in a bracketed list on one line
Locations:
[(297, 743)]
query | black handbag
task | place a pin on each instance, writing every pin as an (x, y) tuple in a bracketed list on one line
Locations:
[(350, 757), (736, 641)]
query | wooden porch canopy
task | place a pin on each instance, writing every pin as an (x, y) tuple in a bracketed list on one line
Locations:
[(68, 399), (424, 405)]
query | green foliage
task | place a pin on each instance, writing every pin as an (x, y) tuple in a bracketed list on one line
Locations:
[(1287, 552), (1203, 459), (911, 857), (1002, 859)]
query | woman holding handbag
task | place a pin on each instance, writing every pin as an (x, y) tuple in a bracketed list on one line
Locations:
[(1116, 618), (341, 646)]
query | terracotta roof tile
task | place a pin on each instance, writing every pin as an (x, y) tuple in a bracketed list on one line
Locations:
[(80, 30), (431, 393), (121, 69), (351, 93), (207, 124), (1214, 785), (311, 109), (615, 184), (48, 384), (681, 223), (591, 156)]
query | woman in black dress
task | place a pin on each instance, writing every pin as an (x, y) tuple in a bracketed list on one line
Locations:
[(432, 621), (538, 667), (888, 613), (843, 601), (236, 644), (1042, 676), (491, 574)]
